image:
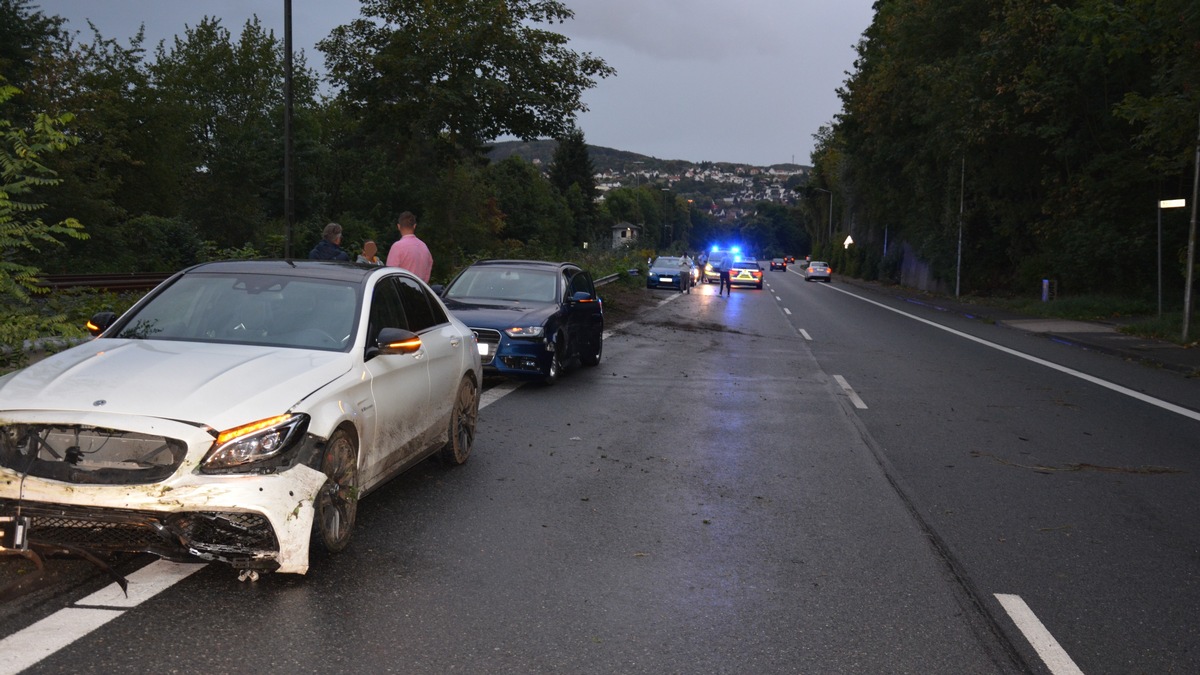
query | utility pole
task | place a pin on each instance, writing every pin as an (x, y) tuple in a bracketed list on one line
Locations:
[(289, 214), (1191, 249)]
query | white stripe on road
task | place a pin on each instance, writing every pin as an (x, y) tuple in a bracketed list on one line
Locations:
[(1165, 405), (26, 647), (787, 311), (143, 585), (1054, 656), (805, 334), (858, 402), (498, 392)]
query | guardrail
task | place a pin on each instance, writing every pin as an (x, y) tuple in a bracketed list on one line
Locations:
[(107, 282), (614, 276)]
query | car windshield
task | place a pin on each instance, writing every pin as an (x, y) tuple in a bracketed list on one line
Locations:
[(504, 283), (667, 261), (282, 311), (818, 264)]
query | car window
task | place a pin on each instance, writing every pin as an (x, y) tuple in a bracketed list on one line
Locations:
[(250, 309), (582, 281), (416, 305), (503, 283), (387, 310)]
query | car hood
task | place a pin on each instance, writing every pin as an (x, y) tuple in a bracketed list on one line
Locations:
[(501, 314), (221, 385)]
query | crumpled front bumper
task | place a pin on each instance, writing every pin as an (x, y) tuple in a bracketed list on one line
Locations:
[(250, 521)]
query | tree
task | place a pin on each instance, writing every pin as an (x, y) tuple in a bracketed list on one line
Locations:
[(25, 34), (21, 170), (533, 210), (228, 98), (574, 176), (467, 71)]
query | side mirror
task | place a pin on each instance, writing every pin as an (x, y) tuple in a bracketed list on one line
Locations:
[(437, 289), (100, 322), (397, 341), (582, 296)]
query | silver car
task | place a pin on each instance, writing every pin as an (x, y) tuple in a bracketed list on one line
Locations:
[(817, 271), (237, 413)]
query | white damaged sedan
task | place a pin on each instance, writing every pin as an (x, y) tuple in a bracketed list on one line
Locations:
[(236, 413)]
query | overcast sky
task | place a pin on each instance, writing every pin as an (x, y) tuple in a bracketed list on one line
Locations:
[(700, 80)]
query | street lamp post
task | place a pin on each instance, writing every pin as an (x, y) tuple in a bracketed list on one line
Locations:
[(830, 210), (1164, 204)]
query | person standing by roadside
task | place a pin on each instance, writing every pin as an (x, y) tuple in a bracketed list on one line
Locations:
[(409, 252), (368, 255), (726, 263), (329, 248)]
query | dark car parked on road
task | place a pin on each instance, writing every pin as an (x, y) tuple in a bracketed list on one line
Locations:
[(531, 318)]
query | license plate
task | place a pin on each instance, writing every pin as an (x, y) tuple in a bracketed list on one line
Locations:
[(666, 280), (483, 349), (14, 533)]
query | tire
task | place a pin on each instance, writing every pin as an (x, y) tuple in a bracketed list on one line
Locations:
[(336, 504), (556, 364), (592, 358), (463, 417), (759, 287)]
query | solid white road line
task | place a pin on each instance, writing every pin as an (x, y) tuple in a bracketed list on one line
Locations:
[(498, 392), (858, 402), (1165, 405), (1054, 656), (805, 334), (26, 647)]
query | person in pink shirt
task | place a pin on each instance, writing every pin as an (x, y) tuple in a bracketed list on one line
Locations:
[(409, 252)]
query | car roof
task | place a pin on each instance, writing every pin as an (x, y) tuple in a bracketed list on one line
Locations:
[(320, 269), (523, 263)]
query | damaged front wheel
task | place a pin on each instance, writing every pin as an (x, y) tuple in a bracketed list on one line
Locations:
[(337, 502)]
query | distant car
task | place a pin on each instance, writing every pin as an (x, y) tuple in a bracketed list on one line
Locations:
[(532, 318), (817, 270), (746, 272), (791, 259), (778, 264), (672, 271), (713, 267), (237, 413)]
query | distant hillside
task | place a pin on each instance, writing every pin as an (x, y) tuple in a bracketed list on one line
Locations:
[(605, 159)]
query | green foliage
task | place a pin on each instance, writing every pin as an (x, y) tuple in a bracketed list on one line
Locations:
[(21, 172), (469, 70), (1058, 125), (533, 210)]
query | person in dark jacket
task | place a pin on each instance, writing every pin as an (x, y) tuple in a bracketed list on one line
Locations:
[(329, 248)]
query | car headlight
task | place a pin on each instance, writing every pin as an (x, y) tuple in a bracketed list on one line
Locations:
[(525, 331), (252, 443)]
